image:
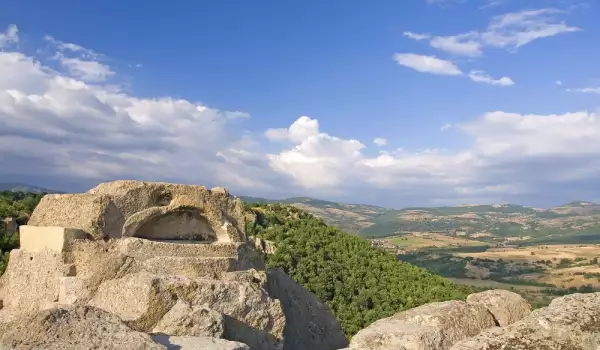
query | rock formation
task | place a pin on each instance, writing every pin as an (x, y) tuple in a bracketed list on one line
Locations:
[(157, 265), (491, 320)]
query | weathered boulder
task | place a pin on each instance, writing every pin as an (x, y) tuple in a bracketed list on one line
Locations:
[(96, 215), (571, 322), (197, 343), (507, 307), (435, 326), (309, 324), (73, 328), (183, 319), (166, 259), (142, 300)]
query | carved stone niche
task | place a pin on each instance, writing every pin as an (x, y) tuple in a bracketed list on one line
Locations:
[(164, 223), (150, 210)]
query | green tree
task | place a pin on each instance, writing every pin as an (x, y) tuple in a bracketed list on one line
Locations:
[(360, 284)]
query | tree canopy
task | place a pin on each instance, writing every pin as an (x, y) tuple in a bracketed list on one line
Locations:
[(360, 283), (18, 205)]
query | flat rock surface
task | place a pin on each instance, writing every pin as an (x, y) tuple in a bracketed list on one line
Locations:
[(197, 343)]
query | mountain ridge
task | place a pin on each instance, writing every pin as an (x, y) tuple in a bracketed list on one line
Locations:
[(504, 220), (22, 187)]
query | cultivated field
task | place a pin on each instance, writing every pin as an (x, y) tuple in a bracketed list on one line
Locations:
[(418, 241), (541, 252)]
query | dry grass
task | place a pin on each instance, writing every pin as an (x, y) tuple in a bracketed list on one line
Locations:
[(432, 240), (493, 284), (543, 252)]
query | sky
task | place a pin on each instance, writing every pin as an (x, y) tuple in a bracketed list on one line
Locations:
[(392, 103)]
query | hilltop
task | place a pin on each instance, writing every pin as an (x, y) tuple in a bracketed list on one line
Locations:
[(21, 187), (493, 220)]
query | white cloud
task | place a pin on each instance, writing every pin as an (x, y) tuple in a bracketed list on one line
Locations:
[(589, 90), (434, 65), (481, 77), (61, 129), (558, 82), (63, 47), (417, 36), (301, 129), (490, 4), (80, 62), (519, 28), (510, 30), (446, 126), (90, 71), (458, 44), (9, 36), (509, 150), (427, 64), (380, 141)]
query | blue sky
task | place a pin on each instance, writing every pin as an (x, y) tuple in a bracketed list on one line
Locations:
[(470, 100)]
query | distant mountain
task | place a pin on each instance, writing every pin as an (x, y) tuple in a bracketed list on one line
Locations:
[(493, 220), (19, 187)]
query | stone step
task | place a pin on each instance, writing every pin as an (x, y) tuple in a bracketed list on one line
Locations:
[(143, 249), (210, 267)]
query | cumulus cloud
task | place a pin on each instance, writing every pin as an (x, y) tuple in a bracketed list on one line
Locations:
[(58, 125), (510, 31), (63, 130), (512, 155), (380, 141), (427, 64), (301, 129)]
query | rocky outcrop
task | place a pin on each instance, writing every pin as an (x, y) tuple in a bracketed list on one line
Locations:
[(302, 310), (432, 326), (506, 307), (163, 266), (571, 322), (491, 320), (73, 327)]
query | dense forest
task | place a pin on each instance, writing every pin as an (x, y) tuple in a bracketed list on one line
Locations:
[(360, 284), (18, 205)]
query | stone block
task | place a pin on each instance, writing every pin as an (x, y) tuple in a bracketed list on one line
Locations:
[(53, 238)]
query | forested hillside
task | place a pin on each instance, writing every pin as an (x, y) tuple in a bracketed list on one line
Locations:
[(359, 283), (18, 205)]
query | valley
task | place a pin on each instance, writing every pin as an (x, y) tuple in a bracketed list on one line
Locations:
[(493, 223), (539, 253)]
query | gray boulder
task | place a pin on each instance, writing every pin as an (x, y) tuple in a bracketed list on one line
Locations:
[(507, 307), (435, 326)]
